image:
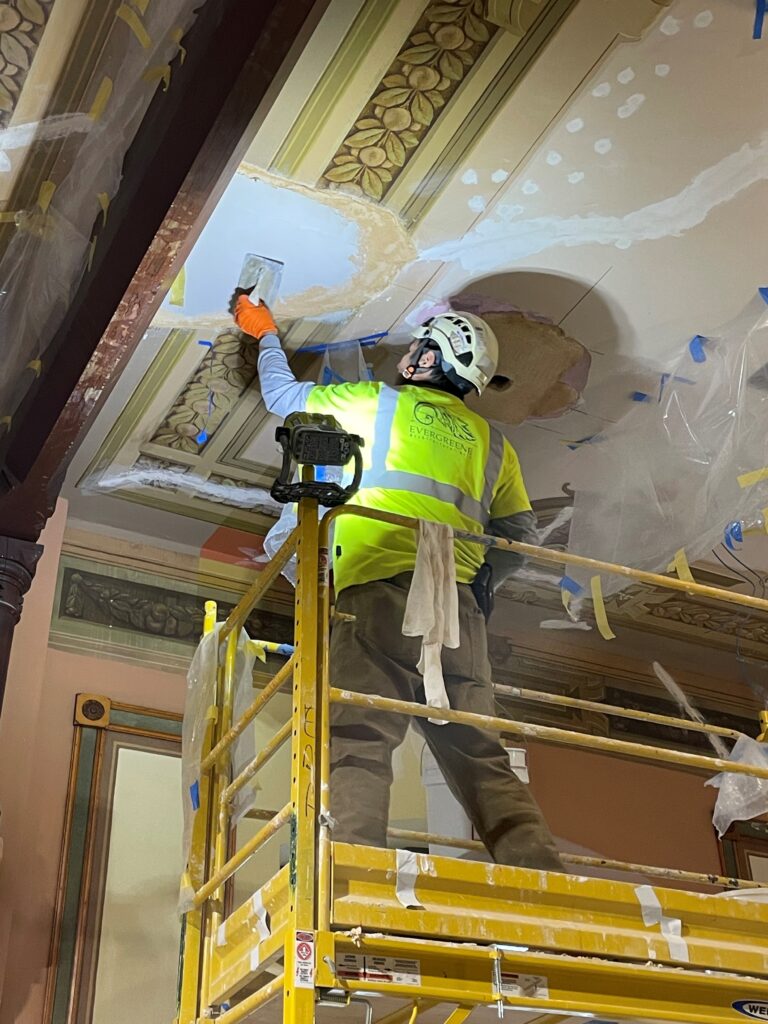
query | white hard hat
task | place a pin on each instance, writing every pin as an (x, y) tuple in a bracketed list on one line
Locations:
[(468, 347)]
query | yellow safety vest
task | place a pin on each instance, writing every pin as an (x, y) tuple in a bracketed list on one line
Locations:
[(426, 455)]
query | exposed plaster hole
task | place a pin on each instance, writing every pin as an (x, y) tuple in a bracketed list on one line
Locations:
[(601, 90), (670, 26), (530, 188), (499, 382), (662, 70), (476, 204), (603, 146), (575, 177), (499, 176), (575, 125), (554, 158), (625, 76), (633, 104), (469, 177), (703, 19)]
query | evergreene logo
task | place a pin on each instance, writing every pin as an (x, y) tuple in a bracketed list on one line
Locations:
[(433, 416), (757, 1009)]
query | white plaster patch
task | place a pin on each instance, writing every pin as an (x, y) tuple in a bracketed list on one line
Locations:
[(633, 104), (476, 204), (670, 26), (623, 243), (603, 146), (575, 177), (529, 188), (554, 158), (662, 70), (575, 125), (499, 176), (5, 161), (625, 76), (507, 210), (469, 177), (603, 89), (666, 218), (703, 19)]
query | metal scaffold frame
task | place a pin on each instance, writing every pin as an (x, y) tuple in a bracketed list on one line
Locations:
[(332, 923)]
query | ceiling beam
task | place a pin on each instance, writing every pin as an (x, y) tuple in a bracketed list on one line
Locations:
[(188, 144)]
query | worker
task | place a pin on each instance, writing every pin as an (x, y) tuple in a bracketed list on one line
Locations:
[(427, 456)]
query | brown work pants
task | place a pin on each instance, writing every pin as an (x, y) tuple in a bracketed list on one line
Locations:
[(371, 655)]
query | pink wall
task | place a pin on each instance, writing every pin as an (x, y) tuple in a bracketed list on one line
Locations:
[(35, 748), (626, 810)]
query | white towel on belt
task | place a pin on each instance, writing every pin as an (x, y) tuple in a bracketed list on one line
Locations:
[(432, 609)]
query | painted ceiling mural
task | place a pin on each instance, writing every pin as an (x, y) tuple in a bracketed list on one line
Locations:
[(566, 167)]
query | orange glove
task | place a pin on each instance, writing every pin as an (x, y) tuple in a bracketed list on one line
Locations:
[(254, 320)]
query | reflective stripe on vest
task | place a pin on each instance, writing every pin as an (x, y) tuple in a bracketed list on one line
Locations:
[(416, 483)]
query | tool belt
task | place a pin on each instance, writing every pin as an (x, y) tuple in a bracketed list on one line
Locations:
[(482, 588)]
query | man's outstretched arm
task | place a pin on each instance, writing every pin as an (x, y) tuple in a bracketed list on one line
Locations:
[(282, 393)]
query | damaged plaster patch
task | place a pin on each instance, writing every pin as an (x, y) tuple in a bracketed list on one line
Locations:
[(718, 184), (347, 252), (670, 26), (603, 146), (625, 76), (469, 177), (554, 158), (633, 104), (603, 89), (662, 70), (476, 204), (529, 188), (575, 177), (703, 19), (575, 125), (499, 176)]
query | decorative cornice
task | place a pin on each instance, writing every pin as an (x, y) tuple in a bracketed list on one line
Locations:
[(22, 23), (433, 62)]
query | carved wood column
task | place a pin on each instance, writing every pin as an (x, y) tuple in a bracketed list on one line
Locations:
[(18, 561)]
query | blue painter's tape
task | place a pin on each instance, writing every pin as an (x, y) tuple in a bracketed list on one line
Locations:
[(582, 440), (640, 396), (207, 344), (566, 583), (696, 348), (763, 292), (760, 8), (286, 649), (194, 793), (733, 534), (202, 437)]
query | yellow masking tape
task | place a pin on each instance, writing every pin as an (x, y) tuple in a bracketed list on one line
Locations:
[(6, 421), (566, 596), (212, 714), (599, 605), (178, 288), (679, 564), (260, 652), (103, 198), (160, 73), (101, 99), (8, 217), (141, 5), (765, 518), (134, 23), (45, 195), (176, 36), (748, 479), (36, 365)]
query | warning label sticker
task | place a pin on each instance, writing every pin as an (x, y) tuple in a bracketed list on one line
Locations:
[(304, 976), (387, 969), (532, 985)]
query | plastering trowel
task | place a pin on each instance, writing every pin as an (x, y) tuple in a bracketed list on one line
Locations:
[(262, 276)]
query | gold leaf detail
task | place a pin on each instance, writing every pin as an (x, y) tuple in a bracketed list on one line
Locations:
[(421, 109), (32, 10), (372, 184), (367, 137), (346, 172), (392, 97)]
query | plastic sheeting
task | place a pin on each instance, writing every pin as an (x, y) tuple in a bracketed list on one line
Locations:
[(667, 476), (199, 714), (741, 797), (52, 245)]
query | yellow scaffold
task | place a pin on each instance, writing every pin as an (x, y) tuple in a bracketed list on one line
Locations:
[(331, 927)]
